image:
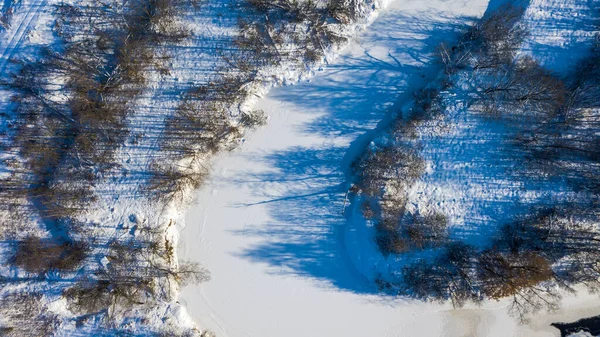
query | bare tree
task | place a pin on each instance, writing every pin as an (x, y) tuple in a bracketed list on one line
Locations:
[(26, 315), (37, 256), (426, 231), (449, 277), (523, 90)]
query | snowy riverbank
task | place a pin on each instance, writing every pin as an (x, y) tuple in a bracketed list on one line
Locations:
[(270, 225)]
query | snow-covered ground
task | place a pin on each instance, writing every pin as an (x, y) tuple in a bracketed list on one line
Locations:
[(270, 223), (561, 31)]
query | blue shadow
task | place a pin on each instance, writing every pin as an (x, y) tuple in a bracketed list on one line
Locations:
[(358, 96)]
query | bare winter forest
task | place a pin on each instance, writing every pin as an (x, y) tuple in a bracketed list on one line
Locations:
[(547, 126), (72, 108), (471, 178)]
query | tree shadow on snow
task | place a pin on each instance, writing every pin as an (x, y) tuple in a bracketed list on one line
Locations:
[(356, 97), (562, 39)]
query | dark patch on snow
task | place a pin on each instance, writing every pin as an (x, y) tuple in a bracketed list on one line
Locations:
[(590, 324)]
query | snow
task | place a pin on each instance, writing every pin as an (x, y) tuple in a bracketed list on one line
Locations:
[(474, 175), (270, 223), (581, 334), (557, 26)]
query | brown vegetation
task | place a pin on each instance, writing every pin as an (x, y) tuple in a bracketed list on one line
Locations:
[(451, 276), (137, 273), (556, 120), (210, 119), (38, 256), (26, 315)]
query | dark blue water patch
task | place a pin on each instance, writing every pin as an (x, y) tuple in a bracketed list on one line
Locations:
[(590, 324)]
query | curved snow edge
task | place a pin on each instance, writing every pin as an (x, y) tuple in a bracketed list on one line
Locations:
[(274, 76)]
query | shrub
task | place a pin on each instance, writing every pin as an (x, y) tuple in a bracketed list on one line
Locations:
[(138, 273), (497, 36), (37, 256), (26, 315), (489, 45), (344, 11), (526, 90), (503, 275), (451, 276), (427, 231), (253, 119), (395, 163), (388, 238)]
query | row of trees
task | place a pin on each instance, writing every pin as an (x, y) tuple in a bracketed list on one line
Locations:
[(385, 174), (137, 272), (385, 177), (529, 261), (273, 33), (556, 123), (565, 143), (70, 116), (294, 31), (72, 105), (72, 110)]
